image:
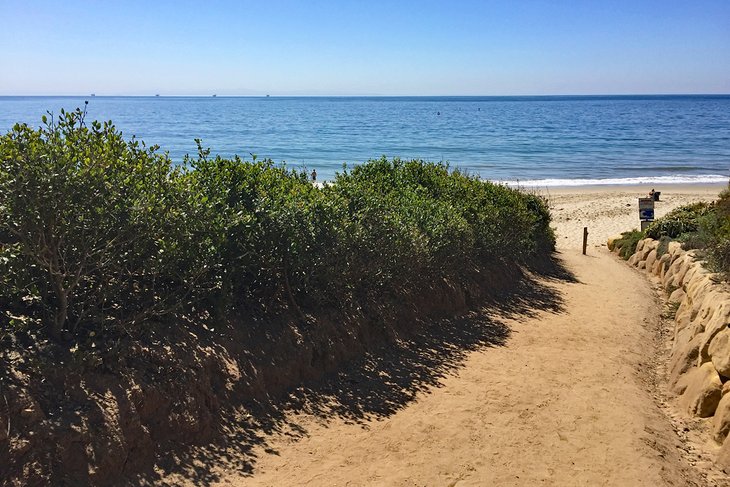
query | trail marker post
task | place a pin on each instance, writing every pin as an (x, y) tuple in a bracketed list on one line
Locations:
[(585, 239)]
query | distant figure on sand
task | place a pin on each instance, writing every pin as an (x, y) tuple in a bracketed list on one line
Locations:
[(651, 193), (314, 174)]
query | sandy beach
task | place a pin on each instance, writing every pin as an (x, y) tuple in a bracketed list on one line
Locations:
[(610, 210), (572, 396)]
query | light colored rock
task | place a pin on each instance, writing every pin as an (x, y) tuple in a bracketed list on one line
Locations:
[(674, 275), (650, 259), (634, 259), (640, 244), (723, 458), (703, 391), (685, 335), (716, 319), (699, 286), (720, 352), (674, 248), (683, 317), (721, 421), (664, 262), (681, 362), (648, 247), (678, 277), (657, 267), (677, 296), (668, 275), (641, 264), (725, 388), (694, 269)]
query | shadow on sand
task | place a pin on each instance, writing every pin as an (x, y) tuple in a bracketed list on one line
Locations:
[(376, 386)]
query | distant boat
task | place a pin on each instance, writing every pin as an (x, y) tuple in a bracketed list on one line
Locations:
[(93, 94), (268, 96), (157, 94)]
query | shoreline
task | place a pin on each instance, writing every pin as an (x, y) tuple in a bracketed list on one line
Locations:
[(602, 188), (639, 188)]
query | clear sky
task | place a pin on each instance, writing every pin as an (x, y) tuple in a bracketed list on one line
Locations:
[(364, 47)]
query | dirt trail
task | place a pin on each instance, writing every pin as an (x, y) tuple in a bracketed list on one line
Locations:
[(563, 402)]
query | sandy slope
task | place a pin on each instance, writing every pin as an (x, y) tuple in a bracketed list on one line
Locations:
[(564, 400)]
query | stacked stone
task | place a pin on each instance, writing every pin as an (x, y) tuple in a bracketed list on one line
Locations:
[(699, 366)]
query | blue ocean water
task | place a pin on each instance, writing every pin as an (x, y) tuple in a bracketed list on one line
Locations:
[(556, 140)]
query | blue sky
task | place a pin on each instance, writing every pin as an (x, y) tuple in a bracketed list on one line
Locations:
[(367, 47)]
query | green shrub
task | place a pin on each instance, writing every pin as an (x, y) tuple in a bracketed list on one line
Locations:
[(716, 228), (678, 221), (627, 243), (98, 233), (460, 220), (94, 228)]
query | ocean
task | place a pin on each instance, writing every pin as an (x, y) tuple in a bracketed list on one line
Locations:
[(541, 140)]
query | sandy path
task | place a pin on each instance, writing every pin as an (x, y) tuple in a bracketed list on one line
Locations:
[(561, 404), (564, 402)]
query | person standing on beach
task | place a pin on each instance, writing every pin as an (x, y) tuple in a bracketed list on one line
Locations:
[(314, 174)]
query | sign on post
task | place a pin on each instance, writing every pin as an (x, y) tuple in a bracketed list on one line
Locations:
[(646, 212)]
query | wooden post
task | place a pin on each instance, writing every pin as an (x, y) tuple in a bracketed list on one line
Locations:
[(585, 239)]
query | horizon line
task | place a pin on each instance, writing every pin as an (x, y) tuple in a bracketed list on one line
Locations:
[(215, 95)]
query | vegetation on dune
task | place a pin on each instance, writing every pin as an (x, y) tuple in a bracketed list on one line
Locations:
[(94, 230), (627, 243), (702, 226), (685, 219), (100, 235), (714, 231)]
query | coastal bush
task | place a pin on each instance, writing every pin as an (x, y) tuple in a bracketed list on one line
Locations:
[(274, 233), (684, 219), (386, 227), (99, 234), (500, 222), (94, 229), (628, 242), (715, 228)]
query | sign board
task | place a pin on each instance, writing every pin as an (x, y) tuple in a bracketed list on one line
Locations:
[(646, 204), (646, 209), (646, 214)]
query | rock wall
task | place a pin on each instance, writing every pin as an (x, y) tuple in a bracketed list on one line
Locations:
[(699, 364)]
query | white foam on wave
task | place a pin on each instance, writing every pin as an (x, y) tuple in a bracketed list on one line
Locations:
[(676, 179)]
